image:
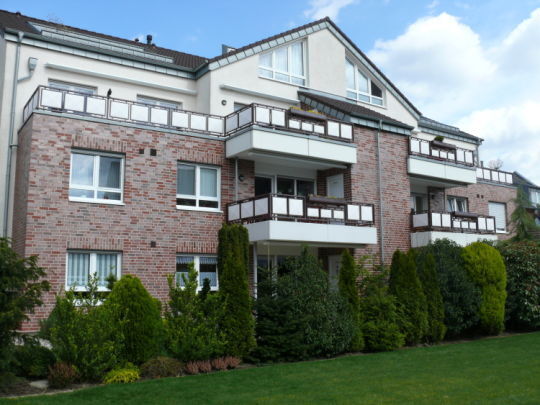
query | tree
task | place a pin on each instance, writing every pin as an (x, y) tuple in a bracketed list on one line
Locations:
[(348, 275), (521, 221), (233, 261), (410, 299), (20, 292)]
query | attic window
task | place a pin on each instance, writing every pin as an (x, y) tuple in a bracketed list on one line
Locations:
[(360, 87), (285, 64)]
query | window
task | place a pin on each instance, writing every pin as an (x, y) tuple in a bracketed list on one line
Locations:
[(535, 196), (498, 210), (360, 87), (96, 178), (458, 204), (263, 185), (297, 187), (72, 87), (197, 186), (206, 267), (285, 64), (419, 202), (82, 265), (159, 103)]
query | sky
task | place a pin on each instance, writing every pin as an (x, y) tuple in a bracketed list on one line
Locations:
[(470, 63)]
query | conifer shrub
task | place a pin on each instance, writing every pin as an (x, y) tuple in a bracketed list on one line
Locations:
[(435, 306), (486, 269), (405, 286), (461, 297), (233, 263), (124, 375), (348, 276), (137, 319), (522, 261)]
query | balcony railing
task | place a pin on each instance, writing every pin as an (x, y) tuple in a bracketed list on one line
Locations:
[(452, 222), (300, 209), (46, 98), (279, 118), (421, 147), (494, 175)]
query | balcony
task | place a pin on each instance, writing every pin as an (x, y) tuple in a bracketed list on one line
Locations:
[(495, 176), (319, 221), (257, 132), (440, 161), (461, 227)]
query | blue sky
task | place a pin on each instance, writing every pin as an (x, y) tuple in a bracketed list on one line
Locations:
[(471, 63)]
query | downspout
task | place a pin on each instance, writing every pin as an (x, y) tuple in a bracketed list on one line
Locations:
[(11, 135), (379, 180)]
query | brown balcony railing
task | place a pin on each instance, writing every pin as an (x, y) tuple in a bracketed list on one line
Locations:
[(279, 118), (300, 209), (440, 151), (452, 222), (496, 176)]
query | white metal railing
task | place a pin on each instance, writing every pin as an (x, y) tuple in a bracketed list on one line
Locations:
[(494, 175), (452, 221), (423, 147)]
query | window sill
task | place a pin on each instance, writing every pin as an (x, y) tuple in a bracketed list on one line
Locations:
[(502, 232), (282, 82), (202, 209), (92, 201), (384, 107)]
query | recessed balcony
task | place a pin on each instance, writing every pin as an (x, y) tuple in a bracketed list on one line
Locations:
[(259, 132), (461, 227), (318, 221)]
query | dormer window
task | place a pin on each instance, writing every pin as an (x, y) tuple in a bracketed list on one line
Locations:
[(360, 87), (285, 64)]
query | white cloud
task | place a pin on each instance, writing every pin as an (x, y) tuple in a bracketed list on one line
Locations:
[(443, 66), (433, 4), (326, 8)]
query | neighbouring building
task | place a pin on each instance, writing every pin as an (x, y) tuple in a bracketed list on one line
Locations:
[(127, 157)]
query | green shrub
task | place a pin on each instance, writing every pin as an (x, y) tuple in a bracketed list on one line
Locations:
[(160, 367), (435, 306), (137, 319), (485, 267), (410, 299), (522, 261), (233, 263), (298, 315), (20, 292), (461, 297), (124, 375), (348, 275), (62, 375), (192, 322), (32, 360)]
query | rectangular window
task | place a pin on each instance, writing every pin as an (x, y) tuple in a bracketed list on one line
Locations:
[(175, 105), (535, 196), (297, 187), (360, 87), (458, 204), (82, 265), (498, 210), (197, 186), (206, 267), (77, 88), (96, 177), (285, 64)]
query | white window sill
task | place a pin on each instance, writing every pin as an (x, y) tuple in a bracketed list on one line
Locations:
[(203, 209), (283, 82), (502, 232), (383, 106), (94, 201)]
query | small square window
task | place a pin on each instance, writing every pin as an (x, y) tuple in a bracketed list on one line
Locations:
[(198, 186), (205, 266)]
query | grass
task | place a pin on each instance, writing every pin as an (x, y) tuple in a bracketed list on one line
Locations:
[(502, 370)]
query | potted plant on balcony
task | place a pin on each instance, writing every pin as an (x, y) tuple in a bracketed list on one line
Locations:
[(309, 114)]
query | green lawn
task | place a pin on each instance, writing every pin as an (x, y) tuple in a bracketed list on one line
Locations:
[(500, 370)]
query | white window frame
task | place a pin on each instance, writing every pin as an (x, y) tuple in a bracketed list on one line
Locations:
[(196, 263), (197, 195), (93, 267), (157, 102), (455, 200), (273, 70), (77, 88), (95, 186), (357, 92), (534, 196), (499, 230)]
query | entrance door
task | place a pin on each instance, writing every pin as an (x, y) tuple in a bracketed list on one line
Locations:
[(334, 186), (334, 262)]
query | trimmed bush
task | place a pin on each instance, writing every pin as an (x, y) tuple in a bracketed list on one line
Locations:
[(231, 361), (219, 364), (125, 375), (137, 319), (485, 267), (32, 360), (461, 297), (62, 375), (233, 261), (348, 275), (522, 261), (435, 306), (192, 367), (405, 285), (160, 367)]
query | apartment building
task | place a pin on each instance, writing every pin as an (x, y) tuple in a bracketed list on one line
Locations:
[(127, 157)]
